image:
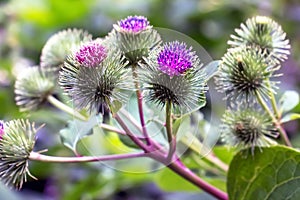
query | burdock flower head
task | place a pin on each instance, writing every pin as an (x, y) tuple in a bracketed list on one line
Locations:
[(173, 74), (60, 45), (247, 128), (264, 33), (16, 144), (244, 73), (95, 77), (33, 87), (134, 37)]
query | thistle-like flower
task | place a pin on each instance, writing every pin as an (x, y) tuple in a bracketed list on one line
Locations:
[(60, 45), (16, 144), (247, 128), (173, 74), (264, 33), (244, 73), (33, 87), (134, 37), (95, 76)]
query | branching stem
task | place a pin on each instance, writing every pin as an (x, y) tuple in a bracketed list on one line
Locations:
[(60, 105), (44, 158)]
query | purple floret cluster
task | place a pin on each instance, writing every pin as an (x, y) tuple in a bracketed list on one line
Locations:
[(175, 58), (91, 54)]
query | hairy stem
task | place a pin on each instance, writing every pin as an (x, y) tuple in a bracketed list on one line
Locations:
[(58, 104), (140, 104), (275, 121), (44, 158)]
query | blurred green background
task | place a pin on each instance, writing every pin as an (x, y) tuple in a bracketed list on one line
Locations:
[(25, 26)]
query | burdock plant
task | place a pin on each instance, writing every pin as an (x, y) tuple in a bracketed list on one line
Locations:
[(101, 76)]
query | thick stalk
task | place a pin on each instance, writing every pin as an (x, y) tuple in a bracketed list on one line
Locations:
[(187, 174), (179, 168), (44, 158), (140, 104), (171, 139), (275, 121), (58, 104)]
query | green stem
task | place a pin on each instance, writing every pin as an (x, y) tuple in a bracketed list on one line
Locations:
[(171, 138), (44, 158), (275, 121), (273, 102), (58, 104)]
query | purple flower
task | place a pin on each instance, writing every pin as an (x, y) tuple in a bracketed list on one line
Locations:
[(134, 24), (91, 54), (175, 58), (1, 129)]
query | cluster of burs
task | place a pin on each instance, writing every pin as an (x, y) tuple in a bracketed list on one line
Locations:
[(100, 75)]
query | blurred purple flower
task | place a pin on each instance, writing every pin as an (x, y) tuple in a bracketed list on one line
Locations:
[(134, 24), (1, 129)]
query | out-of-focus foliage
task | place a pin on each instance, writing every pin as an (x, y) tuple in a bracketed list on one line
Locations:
[(25, 26)]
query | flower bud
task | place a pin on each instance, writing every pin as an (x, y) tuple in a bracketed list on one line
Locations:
[(33, 87), (60, 45), (263, 33), (15, 147), (244, 72), (134, 37), (247, 128)]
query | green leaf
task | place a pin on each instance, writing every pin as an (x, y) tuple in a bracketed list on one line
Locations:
[(224, 153), (288, 101), (76, 130), (212, 68), (115, 106), (128, 142), (271, 174), (169, 181), (290, 117)]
